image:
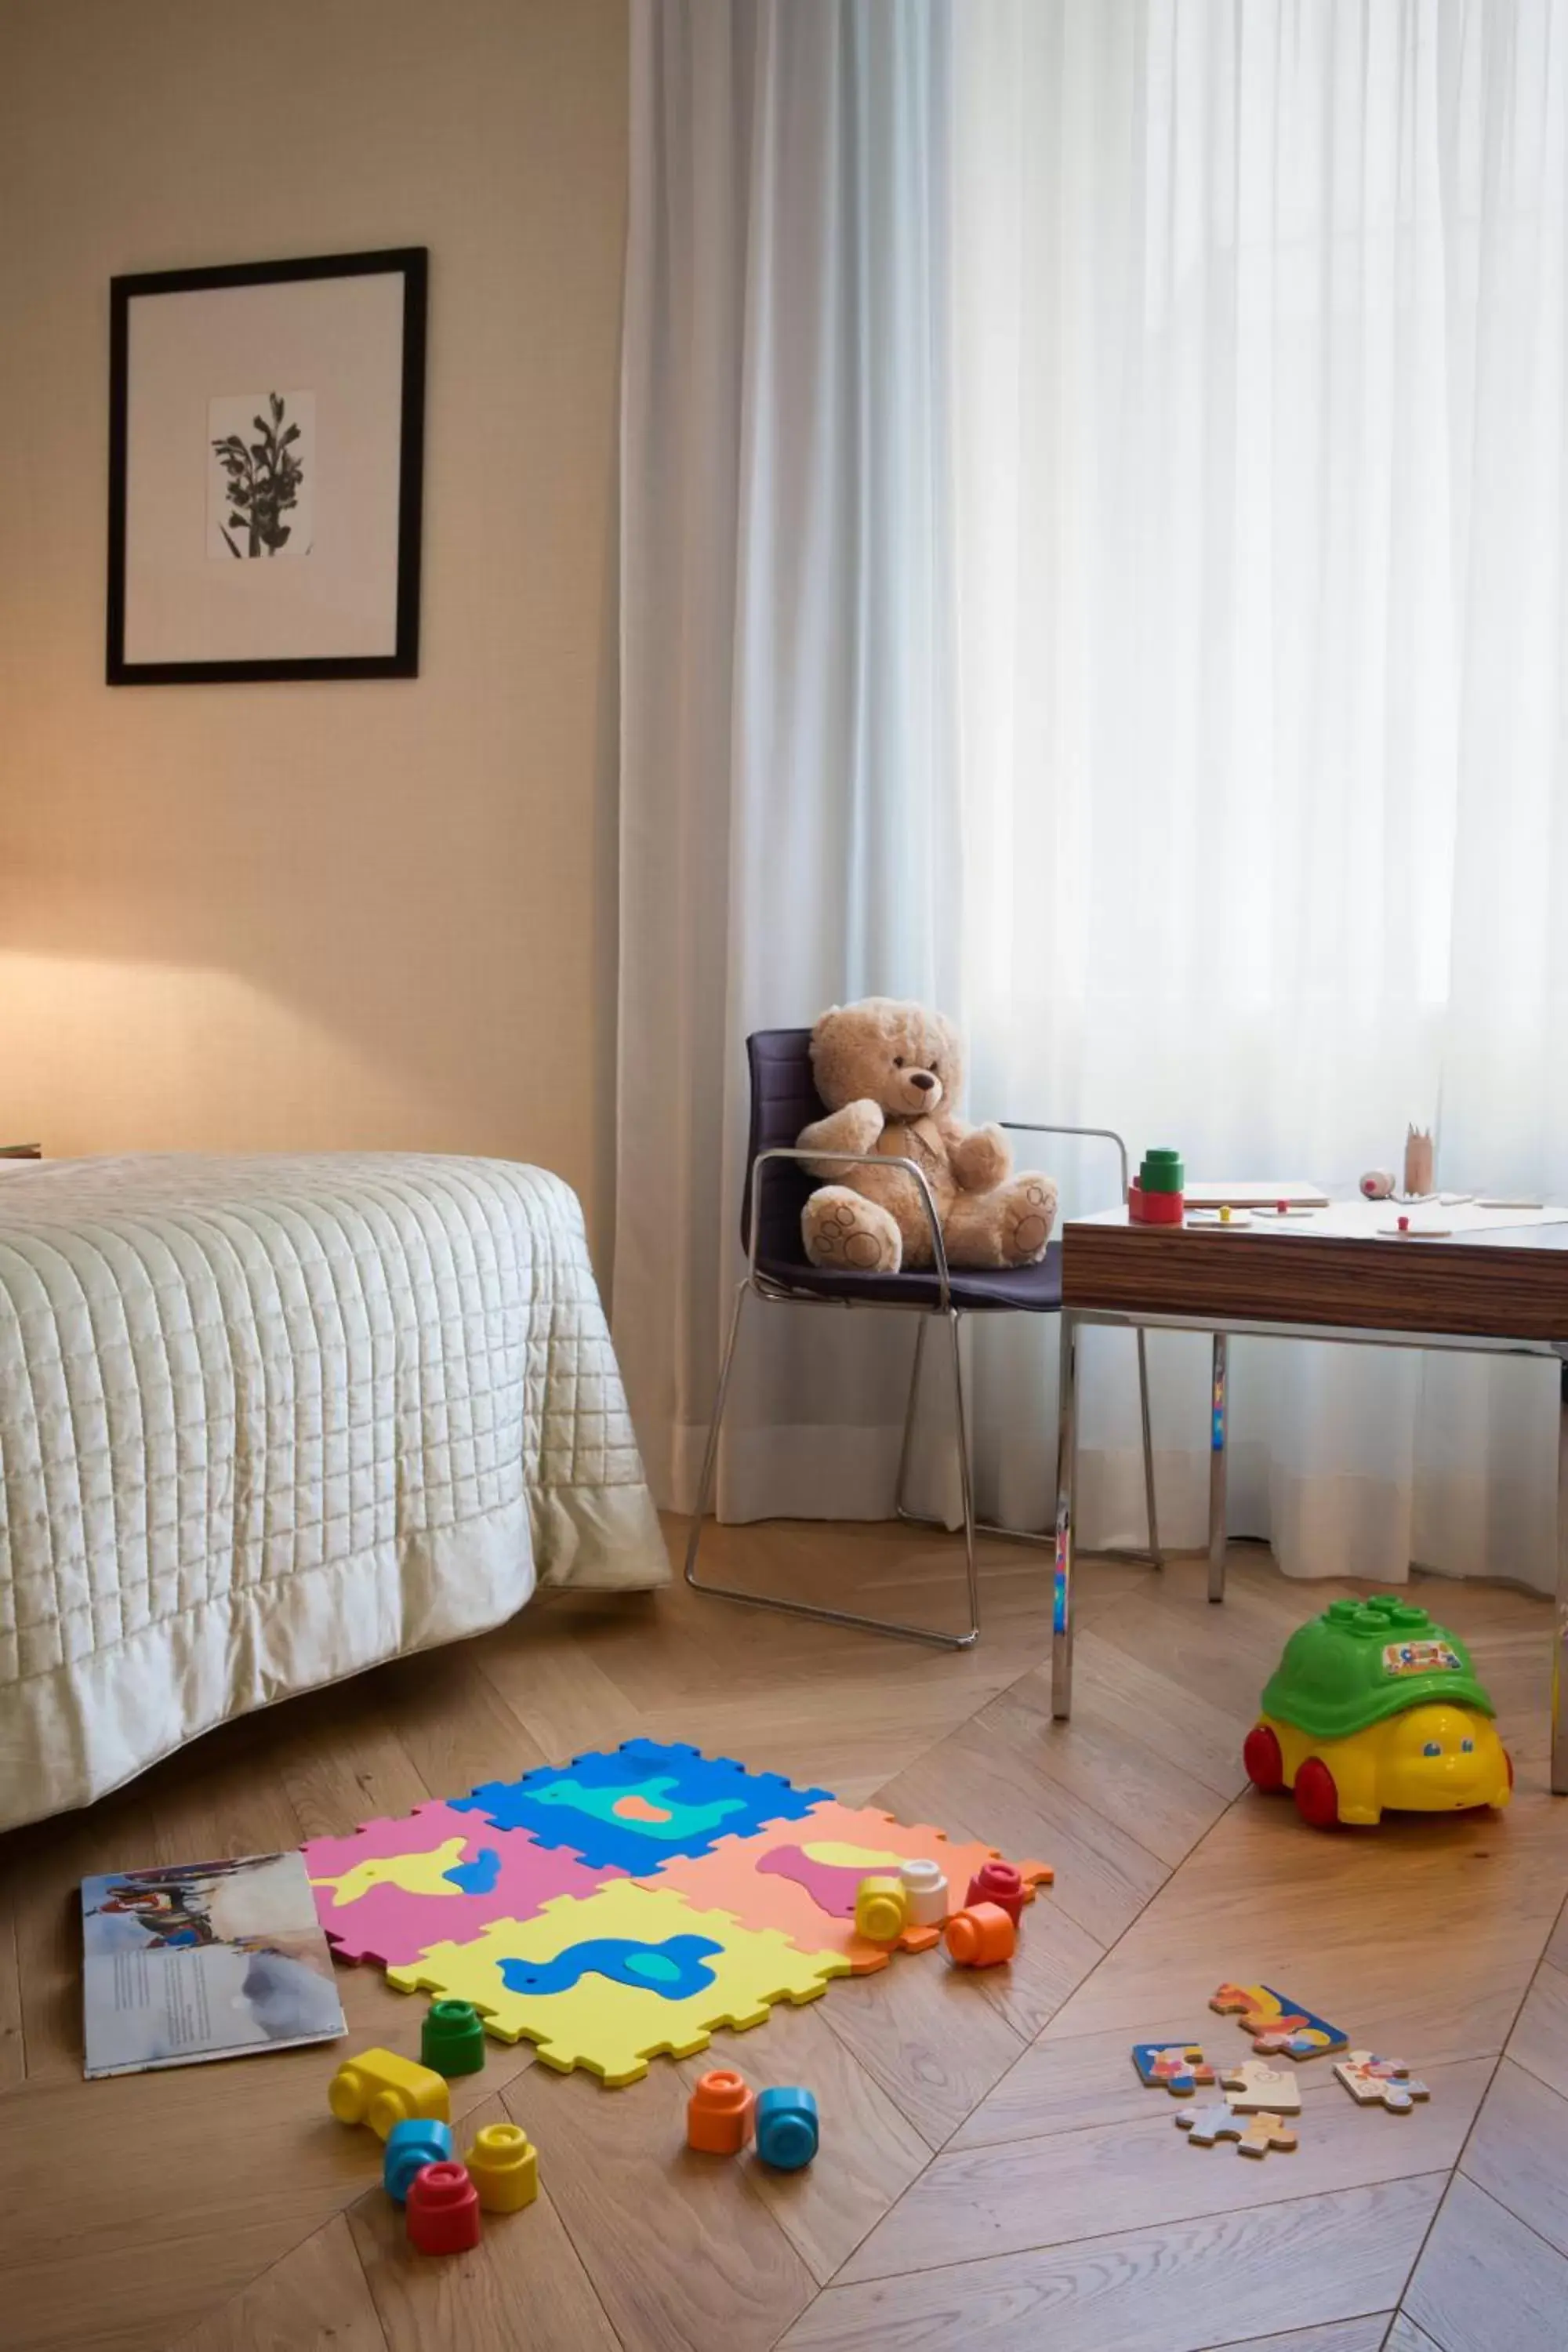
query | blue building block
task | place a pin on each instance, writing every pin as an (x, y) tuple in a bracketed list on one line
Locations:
[(637, 1806), (787, 2128), (408, 2146)]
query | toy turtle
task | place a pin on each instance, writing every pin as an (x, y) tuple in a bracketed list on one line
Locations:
[(1373, 1705)]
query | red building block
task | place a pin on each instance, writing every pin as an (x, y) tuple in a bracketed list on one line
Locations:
[(443, 2209), (1154, 1208), (998, 1883)]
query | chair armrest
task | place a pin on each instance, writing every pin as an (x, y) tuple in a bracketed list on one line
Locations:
[(1099, 1134), (854, 1160)]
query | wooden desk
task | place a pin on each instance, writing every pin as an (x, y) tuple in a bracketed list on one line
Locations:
[(1500, 1292)]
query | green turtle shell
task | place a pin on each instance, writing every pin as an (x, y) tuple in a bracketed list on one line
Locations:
[(1363, 1661)]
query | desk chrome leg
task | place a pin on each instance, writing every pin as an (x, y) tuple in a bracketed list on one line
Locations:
[(1156, 1554), (1061, 1585), (1218, 1452), (1560, 1632)]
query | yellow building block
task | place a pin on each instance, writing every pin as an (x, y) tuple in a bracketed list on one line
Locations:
[(504, 2165), (379, 2088), (881, 1909), (614, 1981)]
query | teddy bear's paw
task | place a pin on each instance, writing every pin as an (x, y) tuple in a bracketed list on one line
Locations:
[(854, 1236), (1027, 1217)]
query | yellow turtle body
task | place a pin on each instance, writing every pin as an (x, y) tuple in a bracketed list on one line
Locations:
[(1431, 1759)]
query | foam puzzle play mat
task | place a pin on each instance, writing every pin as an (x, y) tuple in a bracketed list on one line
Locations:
[(626, 1905)]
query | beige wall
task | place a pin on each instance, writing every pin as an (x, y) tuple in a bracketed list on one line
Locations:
[(368, 914)]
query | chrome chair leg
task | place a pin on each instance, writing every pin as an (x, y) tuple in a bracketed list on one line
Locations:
[(1045, 1539), (1066, 1533), (805, 1609), (965, 1476), (1560, 1606), (1219, 1454)]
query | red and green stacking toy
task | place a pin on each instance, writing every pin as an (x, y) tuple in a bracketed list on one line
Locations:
[(1155, 1196)]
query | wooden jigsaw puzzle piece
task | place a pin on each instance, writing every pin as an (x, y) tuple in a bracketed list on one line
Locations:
[(1264, 2132), (1280, 2027), (1373, 2081), (1257, 2088), (1174, 2066), (1203, 2125)]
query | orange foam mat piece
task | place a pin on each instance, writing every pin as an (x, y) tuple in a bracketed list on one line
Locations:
[(800, 1876)]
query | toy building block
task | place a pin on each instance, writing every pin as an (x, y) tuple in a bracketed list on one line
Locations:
[(452, 2040), (409, 2148), (504, 2165), (1254, 2087), (1174, 2066), (1372, 2080), (787, 2128), (998, 1883), (881, 1914), (443, 2209), (721, 2113), (925, 1892), (980, 1935), (379, 2088), (1155, 1196)]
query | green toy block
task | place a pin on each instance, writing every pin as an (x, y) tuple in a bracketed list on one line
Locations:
[(1162, 1172), (453, 2039)]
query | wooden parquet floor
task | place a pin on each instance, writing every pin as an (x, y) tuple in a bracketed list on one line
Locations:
[(992, 2176)]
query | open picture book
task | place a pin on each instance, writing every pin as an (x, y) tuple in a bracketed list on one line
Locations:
[(190, 1961)]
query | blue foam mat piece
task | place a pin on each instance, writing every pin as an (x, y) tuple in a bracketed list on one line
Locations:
[(678, 1801)]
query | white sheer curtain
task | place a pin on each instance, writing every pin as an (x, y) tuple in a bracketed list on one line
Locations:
[(1096, 507)]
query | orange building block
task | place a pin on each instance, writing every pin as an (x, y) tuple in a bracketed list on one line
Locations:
[(721, 2114), (980, 1936)]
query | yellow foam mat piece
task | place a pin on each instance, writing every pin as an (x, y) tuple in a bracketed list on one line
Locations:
[(603, 1981)]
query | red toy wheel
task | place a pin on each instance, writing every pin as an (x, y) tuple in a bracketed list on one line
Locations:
[(1317, 1799), (1260, 1755)]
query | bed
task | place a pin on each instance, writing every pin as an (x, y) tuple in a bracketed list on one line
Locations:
[(264, 1423)]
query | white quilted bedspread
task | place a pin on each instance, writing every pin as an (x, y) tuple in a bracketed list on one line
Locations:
[(264, 1423)]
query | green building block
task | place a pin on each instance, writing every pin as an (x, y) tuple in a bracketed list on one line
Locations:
[(453, 2039), (1162, 1172)]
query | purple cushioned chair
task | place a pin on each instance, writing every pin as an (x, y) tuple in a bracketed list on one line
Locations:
[(784, 1100)]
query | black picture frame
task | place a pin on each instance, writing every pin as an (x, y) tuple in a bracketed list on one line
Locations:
[(412, 262)]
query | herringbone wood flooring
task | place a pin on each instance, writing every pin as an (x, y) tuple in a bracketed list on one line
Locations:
[(990, 2174)]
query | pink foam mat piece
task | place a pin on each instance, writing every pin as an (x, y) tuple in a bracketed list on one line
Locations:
[(391, 1896)]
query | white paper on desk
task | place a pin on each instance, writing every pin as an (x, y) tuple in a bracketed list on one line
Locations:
[(1378, 1220)]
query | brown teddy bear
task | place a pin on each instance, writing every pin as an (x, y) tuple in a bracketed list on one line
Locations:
[(890, 1074)]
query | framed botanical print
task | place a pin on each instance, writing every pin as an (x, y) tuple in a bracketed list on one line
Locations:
[(266, 455)]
